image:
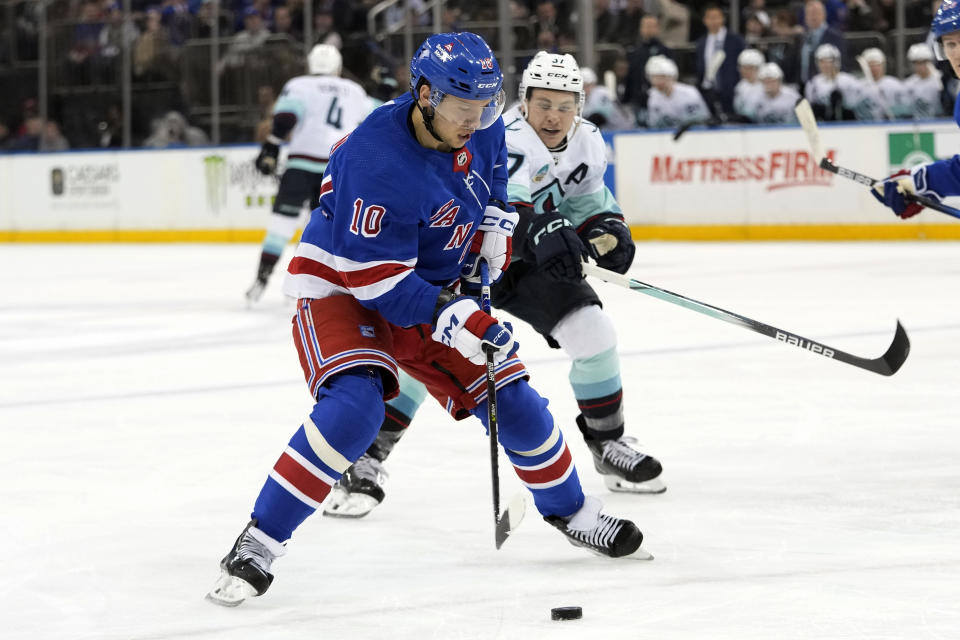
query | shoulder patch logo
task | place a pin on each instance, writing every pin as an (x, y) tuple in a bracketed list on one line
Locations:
[(367, 331), (461, 161), (541, 173)]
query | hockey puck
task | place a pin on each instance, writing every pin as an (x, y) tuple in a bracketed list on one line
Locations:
[(566, 613)]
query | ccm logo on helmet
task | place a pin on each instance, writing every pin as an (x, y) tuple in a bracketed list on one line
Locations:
[(556, 75), (486, 85)]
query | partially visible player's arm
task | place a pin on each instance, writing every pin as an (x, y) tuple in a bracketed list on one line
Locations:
[(286, 112)]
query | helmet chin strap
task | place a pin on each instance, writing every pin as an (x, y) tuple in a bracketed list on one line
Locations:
[(428, 122)]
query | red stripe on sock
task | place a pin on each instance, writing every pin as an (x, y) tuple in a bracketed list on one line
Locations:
[(307, 483), (550, 473)]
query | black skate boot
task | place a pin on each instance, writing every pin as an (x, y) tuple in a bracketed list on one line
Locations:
[(600, 533), (267, 262), (358, 491), (245, 571), (624, 469)]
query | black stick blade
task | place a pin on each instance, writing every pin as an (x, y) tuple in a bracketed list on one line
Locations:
[(510, 519), (891, 361)]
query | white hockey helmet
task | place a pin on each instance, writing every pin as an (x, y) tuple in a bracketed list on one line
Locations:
[(920, 52), (750, 58), (324, 60), (827, 52), (770, 71), (589, 76), (660, 66), (558, 72), (874, 56)]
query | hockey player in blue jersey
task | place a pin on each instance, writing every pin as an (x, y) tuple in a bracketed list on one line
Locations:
[(939, 179), (375, 276)]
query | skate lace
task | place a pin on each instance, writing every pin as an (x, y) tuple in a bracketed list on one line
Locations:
[(252, 549), (621, 454), (369, 468), (602, 535)]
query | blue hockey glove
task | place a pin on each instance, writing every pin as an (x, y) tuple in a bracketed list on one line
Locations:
[(461, 325), (266, 162), (608, 239), (554, 246), (494, 242), (892, 196)]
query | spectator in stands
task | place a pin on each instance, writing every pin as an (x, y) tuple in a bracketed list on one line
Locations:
[(203, 26), (754, 30), (324, 31), (110, 129), (151, 52), (178, 19), (628, 23), (783, 50), (817, 33), (547, 18), (85, 43), (605, 22), (758, 10), (174, 130), (28, 138), (51, 139), (637, 84), (862, 15), (115, 34), (834, 13), (717, 40), (252, 37), (924, 87), (283, 24)]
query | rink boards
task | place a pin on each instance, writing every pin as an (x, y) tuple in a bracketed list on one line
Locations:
[(756, 183)]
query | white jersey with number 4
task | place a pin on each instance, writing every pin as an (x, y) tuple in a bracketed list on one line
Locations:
[(569, 182), (923, 96), (683, 105), (327, 108)]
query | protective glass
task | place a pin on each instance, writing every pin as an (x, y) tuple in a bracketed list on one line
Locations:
[(468, 114)]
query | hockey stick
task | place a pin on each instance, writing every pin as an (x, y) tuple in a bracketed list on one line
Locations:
[(886, 365), (503, 523), (809, 123)]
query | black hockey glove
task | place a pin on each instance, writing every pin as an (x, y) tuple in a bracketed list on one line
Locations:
[(266, 162), (608, 239), (554, 246)]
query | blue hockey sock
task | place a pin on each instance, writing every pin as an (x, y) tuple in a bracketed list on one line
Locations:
[(535, 446), (343, 423)]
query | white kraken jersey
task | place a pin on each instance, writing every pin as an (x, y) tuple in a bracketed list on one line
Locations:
[(327, 108), (923, 96), (569, 182), (895, 97), (600, 102), (683, 105), (778, 109), (858, 96), (745, 98)]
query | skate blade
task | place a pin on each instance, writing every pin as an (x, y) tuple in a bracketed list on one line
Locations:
[(619, 485), (640, 554), (230, 591), (349, 505)]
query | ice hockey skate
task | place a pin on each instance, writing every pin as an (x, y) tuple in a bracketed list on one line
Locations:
[(602, 534), (623, 468), (358, 491), (245, 571), (255, 292)]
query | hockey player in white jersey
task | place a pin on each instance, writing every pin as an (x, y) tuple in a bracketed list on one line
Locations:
[(837, 95), (892, 91), (776, 102), (557, 162), (316, 111), (925, 86), (748, 90), (671, 103)]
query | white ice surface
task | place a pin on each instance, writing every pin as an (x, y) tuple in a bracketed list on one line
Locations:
[(141, 406)]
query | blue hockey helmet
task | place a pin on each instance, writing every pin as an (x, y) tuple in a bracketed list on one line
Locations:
[(460, 65), (947, 19)]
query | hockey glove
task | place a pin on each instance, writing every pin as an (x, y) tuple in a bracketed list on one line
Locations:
[(266, 162), (891, 193), (554, 246), (608, 239), (461, 325), (493, 242)]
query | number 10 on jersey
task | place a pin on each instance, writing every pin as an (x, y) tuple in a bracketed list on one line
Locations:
[(366, 222)]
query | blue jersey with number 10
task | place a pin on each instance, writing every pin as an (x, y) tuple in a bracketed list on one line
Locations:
[(396, 219)]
